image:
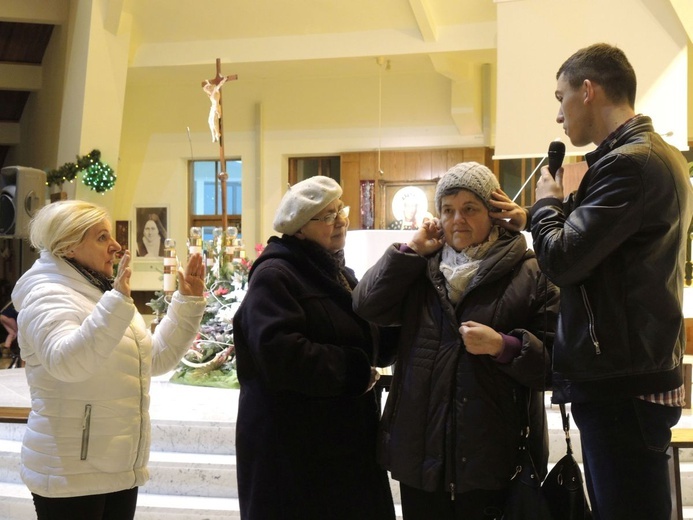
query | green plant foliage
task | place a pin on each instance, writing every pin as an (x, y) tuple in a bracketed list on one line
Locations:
[(211, 361)]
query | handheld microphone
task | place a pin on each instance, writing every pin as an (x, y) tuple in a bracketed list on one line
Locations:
[(556, 155)]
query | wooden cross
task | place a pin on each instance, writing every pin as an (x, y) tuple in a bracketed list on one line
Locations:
[(213, 89)]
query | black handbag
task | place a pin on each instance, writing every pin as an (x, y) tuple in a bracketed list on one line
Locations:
[(525, 500), (563, 487), (560, 497)]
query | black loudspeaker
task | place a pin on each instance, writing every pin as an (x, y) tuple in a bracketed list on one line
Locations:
[(22, 194)]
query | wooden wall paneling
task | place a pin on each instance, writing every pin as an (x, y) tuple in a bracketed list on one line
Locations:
[(572, 176), (350, 161), (395, 170), (411, 166), (455, 156), (439, 162), (419, 165), (488, 160), (368, 165), (350, 181), (416, 165), (385, 165), (475, 155)]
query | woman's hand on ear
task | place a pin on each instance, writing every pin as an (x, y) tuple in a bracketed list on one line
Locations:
[(428, 238)]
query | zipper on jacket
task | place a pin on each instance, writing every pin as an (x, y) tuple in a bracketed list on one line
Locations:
[(139, 360), (453, 445), (590, 320), (86, 422)]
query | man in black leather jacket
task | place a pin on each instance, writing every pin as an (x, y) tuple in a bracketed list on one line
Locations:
[(616, 249)]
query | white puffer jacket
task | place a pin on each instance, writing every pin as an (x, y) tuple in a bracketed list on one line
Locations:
[(89, 360)]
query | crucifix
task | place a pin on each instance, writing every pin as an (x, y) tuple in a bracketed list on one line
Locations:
[(212, 88)]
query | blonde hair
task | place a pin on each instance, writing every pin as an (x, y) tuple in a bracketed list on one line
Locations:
[(61, 226)]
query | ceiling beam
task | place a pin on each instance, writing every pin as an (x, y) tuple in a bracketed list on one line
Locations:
[(54, 12), (684, 10), (113, 12), (20, 77), (388, 42), (9, 133), (424, 19)]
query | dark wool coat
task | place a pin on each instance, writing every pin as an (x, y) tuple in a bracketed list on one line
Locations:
[(451, 421), (306, 428)]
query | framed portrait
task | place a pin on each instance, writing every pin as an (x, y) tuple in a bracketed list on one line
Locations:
[(150, 232), (405, 204), (122, 233)]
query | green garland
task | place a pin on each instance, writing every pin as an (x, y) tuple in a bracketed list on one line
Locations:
[(97, 175)]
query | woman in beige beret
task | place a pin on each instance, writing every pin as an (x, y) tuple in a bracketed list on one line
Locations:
[(308, 415)]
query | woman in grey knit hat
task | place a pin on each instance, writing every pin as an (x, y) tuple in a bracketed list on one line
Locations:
[(476, 317), (307, 414)]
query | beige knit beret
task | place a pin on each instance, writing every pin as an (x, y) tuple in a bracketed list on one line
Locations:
[(471, 176), (303, 201)]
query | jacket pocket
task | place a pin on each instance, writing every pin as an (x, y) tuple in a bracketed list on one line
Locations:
[(86, 424)]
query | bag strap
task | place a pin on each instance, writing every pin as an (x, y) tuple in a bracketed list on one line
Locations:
[(524, 402), (566, 428)]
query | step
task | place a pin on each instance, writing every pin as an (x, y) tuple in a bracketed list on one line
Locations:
[(216, 437), (168, 435), (16, 504), (184, 474), (193, 464), (172, 507), (192, 475), (213, 475)]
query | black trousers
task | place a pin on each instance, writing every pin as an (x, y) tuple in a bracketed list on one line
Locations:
[(119, 505), (474, 505)]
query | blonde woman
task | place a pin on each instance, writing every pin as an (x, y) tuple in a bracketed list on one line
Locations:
[(89, 360)]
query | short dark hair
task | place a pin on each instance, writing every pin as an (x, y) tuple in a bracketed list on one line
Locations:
[(605, 65)]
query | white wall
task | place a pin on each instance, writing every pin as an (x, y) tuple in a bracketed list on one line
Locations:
[(536, 36)]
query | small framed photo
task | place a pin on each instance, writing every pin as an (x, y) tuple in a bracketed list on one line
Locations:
[(405, 204), (151, 231)]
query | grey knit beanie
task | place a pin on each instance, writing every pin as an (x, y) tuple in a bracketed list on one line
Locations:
[(303, 201), (471, 176)]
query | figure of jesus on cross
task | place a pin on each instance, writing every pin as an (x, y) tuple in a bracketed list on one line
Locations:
[(212, 88)]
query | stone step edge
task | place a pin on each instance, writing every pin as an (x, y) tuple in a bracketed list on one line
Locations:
[(144, 500), (179, 503), (170, 457), (213, 459)]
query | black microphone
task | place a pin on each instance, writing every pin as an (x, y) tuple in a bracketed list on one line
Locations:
[(556, 155)]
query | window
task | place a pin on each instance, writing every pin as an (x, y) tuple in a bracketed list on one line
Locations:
[(513, 173), (205, 195), (301, 168)]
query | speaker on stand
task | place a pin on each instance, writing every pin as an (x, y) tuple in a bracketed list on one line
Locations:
[(22, 194)]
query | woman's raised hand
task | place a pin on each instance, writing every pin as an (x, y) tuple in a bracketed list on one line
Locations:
[(191, 282), (121, 282)]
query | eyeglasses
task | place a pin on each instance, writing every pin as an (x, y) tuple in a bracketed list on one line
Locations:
[(331, 217)]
